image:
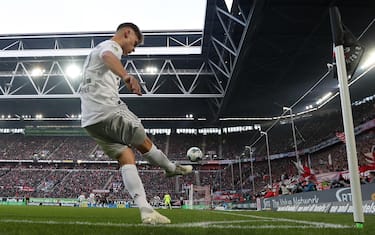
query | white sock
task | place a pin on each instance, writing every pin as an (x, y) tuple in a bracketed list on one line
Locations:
[(157, 157), (135, 187)]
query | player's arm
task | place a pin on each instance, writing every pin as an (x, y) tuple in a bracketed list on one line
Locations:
[(115, 65)]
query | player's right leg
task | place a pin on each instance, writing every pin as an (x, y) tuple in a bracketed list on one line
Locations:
[(180, 170), (156, 157), (130, 131)]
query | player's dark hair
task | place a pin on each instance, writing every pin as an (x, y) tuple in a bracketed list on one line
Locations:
[(134, 27)]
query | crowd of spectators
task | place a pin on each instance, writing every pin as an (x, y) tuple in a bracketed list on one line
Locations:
[(72, 178)]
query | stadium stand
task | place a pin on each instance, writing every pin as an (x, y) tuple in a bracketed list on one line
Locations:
[(66, 167)]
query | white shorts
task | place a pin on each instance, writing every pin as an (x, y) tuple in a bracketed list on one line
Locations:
[(118, 132)]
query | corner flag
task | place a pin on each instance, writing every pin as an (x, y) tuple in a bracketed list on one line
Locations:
[(353, 50)]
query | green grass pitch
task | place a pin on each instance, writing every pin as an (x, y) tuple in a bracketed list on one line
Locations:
[(66, 220)]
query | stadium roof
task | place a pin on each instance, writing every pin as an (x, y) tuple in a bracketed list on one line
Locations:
[(248, 62), (79, 16)]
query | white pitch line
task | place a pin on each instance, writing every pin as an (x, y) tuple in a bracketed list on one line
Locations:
[(310, 223), (208, 224)]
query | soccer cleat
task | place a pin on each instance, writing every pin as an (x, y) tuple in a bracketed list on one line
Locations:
[(155, 218), (180, 170)]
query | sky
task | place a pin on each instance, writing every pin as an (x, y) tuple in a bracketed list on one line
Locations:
[(45, 16)]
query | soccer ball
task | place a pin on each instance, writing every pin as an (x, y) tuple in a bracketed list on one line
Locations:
[(194, 154)]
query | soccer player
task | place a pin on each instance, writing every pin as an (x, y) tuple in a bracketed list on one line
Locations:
[(167, 200), (114, 127)]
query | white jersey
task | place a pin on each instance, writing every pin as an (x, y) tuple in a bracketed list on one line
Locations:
[(99, 87)]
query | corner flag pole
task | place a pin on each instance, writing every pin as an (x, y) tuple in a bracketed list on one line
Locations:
[(338, 39)]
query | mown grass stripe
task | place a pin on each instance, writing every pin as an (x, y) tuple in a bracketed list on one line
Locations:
[(205, 224)]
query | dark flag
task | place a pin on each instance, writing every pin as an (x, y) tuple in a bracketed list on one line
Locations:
[(353, 50)]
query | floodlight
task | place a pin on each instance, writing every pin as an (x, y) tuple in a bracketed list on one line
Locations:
[(73, 71), (151, 69), (37, 72)]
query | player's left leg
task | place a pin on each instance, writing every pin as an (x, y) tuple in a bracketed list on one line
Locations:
[(169, 205)]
